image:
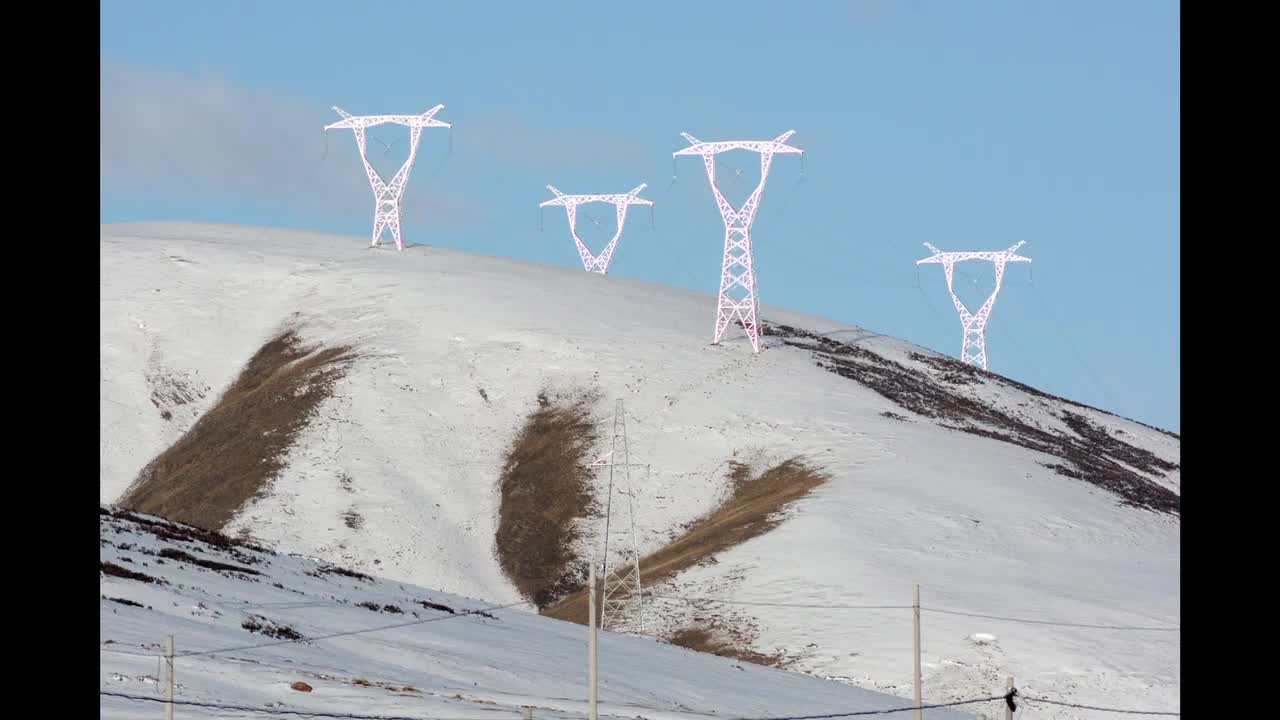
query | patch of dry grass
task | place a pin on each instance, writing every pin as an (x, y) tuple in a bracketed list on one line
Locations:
[(751, 509), (545, 490), (707, 641), (238, 446)]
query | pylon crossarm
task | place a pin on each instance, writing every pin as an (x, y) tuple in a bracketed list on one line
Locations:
[(607, 459), (777, 145), (625, 199), (412, 121), (426, 119), (1009, 255)]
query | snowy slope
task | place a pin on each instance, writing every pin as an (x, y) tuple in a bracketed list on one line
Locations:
[(446, 665), (410, 444)]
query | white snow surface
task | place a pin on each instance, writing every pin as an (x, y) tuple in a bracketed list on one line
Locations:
[(436, 664), (409, 443)]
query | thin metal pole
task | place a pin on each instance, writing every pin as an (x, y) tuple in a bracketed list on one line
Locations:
[(916, 611), (168, 707), (591, 643)]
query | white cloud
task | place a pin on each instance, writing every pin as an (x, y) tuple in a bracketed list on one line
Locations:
[(163, 130)]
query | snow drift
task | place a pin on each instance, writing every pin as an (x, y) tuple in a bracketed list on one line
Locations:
[(998, 499)]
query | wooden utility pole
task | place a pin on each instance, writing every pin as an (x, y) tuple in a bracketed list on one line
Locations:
[(591, 643), (916, 611), (168, 707)]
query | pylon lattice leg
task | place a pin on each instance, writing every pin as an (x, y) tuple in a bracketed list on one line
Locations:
[(387, 212), (602, 260), (739, 297)]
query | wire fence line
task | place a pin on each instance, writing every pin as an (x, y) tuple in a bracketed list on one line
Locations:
[(887, 711), (753, 603), (1032, 699), (262, 710), (1010, 699), (923, 608), (691, 600), (303, 604), (344, 633), (1140, 628)]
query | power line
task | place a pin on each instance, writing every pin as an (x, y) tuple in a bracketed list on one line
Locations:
[(1062, 330), (889, 711), (352, 632), (909, 607), (785, 605), (1026, 357), (265, 710), (330, 636), (284, 604), (825, 716), (129, 652), (1029, 698), (1054, 622), (753, 603), (674, 597), (941, 323)]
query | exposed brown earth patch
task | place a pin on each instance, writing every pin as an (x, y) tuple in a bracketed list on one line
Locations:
[(114, 570), (170, 390), (722, 643), (242, 550), (545, 491), (236, 448), (260, 624), (1088, 453), (353, 519), (184, 557), (751, 509)]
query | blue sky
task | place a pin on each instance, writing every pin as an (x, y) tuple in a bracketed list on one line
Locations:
[(970, 125)]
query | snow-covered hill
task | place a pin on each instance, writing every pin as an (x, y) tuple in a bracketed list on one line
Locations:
[(451, 657), (995, 499)]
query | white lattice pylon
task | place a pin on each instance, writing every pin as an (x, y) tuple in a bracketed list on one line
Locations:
[(739, 289), (622, 598), (386, 195), (974, 349), (596, 263)]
